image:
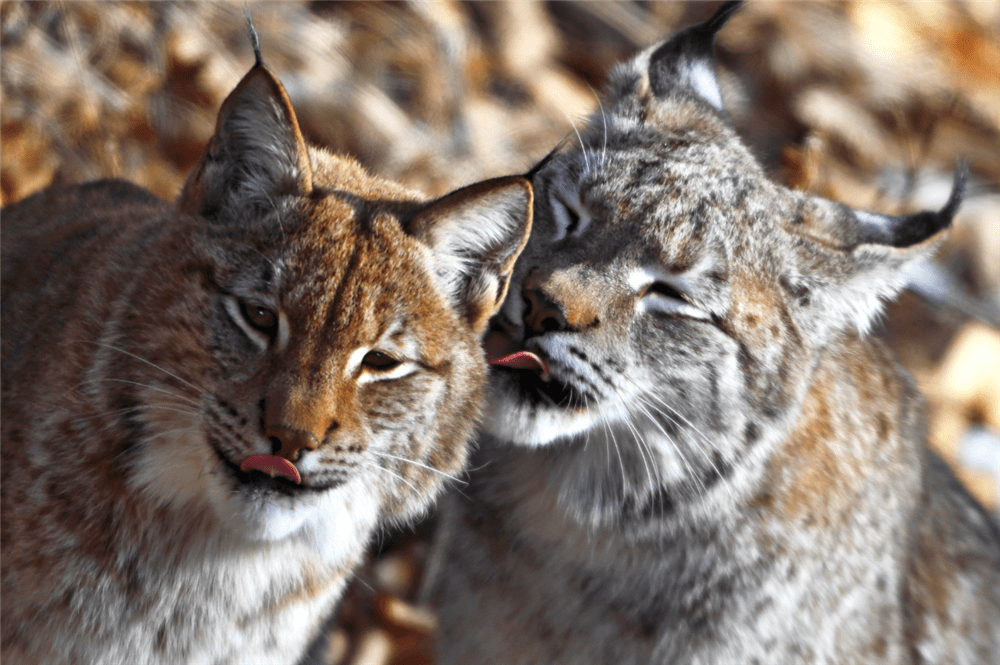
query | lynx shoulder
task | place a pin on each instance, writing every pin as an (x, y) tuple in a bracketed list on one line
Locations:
[(209, 406), (693, 453)]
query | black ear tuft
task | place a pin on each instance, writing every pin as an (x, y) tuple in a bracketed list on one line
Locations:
[(254, 39), (687, 60), (915, 228), (861, 256), (718, 19), (908, 230)]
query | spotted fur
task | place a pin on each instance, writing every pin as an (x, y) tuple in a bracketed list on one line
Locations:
[(289, 304), (711, 462)]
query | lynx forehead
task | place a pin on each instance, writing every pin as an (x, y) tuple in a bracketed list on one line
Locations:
[(693, 452), (209, 407)]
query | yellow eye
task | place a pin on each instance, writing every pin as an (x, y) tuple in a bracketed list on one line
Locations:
[(260, 318), (382, 362)]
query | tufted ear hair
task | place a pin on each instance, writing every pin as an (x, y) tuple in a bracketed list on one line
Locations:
[(850, 261), (476, 234), (256, 155), (687, 59)]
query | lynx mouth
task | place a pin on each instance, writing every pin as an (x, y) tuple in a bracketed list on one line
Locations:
[(502, 351), (551, 390), (273, 466), (531, 373), (255, 478)]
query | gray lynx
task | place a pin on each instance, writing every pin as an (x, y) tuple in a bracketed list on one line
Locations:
[(693, 452), (209, 407)]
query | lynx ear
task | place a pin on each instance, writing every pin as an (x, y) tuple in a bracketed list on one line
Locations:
[(854, 260), (476, 233), (256, 155), (687, 59)]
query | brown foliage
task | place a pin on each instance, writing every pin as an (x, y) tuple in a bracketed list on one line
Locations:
[(870, 103)]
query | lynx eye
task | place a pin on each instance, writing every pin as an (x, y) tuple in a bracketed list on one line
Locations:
[(260, 318), (659, 295), (570, 220), (379, 361), (573, 218), (665, 290)]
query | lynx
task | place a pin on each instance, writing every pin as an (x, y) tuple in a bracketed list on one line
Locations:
[(209, 407), (692, 452)]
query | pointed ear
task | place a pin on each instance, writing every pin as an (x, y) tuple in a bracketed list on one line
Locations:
[(256, 155), (851, 261), (476, 233), (687, 59)]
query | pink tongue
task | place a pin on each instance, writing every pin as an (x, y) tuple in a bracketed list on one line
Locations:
[(521, 360), (272, 465), (501, 350)]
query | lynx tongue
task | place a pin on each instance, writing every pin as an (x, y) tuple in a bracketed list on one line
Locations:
[(272, 465), (501, 350)]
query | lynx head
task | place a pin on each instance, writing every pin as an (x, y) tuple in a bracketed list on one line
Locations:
[(324, 342), (670, 293)]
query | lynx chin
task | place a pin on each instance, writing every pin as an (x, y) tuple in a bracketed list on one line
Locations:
[(693, 453)]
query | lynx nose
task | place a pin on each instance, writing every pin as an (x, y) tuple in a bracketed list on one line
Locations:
[(295, 422), (543, 314), (289, 442)]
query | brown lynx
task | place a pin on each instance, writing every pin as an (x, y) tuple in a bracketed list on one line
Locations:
[(208, 408), (693, 452)]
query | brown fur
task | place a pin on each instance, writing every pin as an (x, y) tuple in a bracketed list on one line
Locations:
[(290, 304)]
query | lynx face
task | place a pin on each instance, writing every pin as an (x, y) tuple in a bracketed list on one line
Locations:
[(672, 300), (328, 348), (338, 332), (208, 408)]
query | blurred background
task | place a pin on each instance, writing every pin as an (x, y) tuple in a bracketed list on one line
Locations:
[(868, 102)]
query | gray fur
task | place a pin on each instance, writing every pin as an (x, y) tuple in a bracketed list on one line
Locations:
[(722, 468)]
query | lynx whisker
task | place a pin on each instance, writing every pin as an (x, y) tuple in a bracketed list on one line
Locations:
[(698, 447), (621, 463), (398, 477), (172, 393), (642, 403), (422, 466), (579, 138), (135, 409), (151, 364), (642, 445), (604, 120), (677, 418), (190, 431)]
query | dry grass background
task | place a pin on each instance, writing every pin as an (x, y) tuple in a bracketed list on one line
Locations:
[(868, 102)]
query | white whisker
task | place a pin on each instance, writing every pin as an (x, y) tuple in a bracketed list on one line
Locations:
[(172, 393), (138, 408), (422, 466), (394, 475), (583, 148), (604, 119), (151, 364)]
